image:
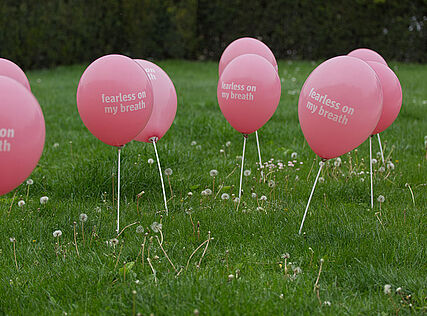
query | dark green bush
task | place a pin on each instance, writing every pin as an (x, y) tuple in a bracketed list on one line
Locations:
[(45, 33)]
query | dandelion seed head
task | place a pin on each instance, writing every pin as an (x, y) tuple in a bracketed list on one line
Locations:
[(387, 289), (321, 163), (321, 179), (21, 203), (113, 242), (271, 183), (83, 217), (297, 270), (381, 198), (150, 161), (337, 162), (390, 165), (168, 171), (253, 195), (228, 144), (190, 194), (247, 173), (208, 191), (374, 161), (222, 151), (236, 200), (12, 239), (189, 211), (294, 155), (156, 227), (327, 303), (57, 233), (263, 198), (225, 196), (399, 290), (139, 229), (285, 256), (193, 143), (44, 199), (30, 181), (230, 277), (213, 173)]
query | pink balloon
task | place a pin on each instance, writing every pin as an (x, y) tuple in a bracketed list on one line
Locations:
[(12, 70), (392, 95), (22, 133), (248, 92), (339, 106), (165, 101), (245, 45), (114, 99), (367, 55)]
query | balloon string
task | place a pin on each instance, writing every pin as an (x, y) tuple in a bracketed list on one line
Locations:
[(259, 155), (370, 167), (118, 189), (243, 161), (161, 175), (381, 148), (309, 199)]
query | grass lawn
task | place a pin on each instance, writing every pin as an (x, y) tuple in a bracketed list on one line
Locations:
[(243, 270)]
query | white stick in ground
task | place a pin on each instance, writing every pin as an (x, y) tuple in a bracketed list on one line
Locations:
[(311, 194), (118, 189), (381, 148), (370, 167), (243, 161), (154, 140), (259, 155)]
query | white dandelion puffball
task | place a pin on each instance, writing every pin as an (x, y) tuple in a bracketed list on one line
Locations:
[(263, 198), (321, 163), (83, 217), (150, 161), (253, 195), (113, 242), (228, 144), (247, 173), (225, 196), (12, 239), (57, 233), (193, 143), (236, 200), (390, 165), (204, 193), (208, 192), (285, 256), (30, 181), (321, 179), (44, 199), (294, 155), (222, 151), (139, 229), (213, 173), (271, 183), (156, 227), (168, 171), (21, 203), (337, 162), (381, 198), (190, 194), (374, 161), (387, 289)]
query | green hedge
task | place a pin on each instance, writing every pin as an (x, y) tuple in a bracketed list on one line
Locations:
[(45, 33)]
